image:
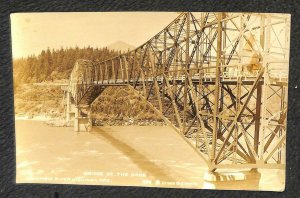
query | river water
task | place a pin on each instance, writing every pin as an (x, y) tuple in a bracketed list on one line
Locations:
[(153, 156)]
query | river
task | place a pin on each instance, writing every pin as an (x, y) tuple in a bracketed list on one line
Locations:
[(154, 156)]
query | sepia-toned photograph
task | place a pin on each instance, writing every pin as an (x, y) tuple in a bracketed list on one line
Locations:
[(193, 100)]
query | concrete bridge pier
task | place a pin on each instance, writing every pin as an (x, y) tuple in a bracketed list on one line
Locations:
[(80, 115), (232, 180), (70, 109), (83, 119)]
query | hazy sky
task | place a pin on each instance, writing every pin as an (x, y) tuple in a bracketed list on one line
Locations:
[(33, 32)]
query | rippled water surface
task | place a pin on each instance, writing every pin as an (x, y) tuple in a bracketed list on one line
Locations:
[(119, 155)]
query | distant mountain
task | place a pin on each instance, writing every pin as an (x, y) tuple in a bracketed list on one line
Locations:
[(121, 46)]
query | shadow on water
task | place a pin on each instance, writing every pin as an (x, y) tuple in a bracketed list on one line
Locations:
[(157, 171)]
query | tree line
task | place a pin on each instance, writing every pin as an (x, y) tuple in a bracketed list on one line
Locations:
[(55, 64)]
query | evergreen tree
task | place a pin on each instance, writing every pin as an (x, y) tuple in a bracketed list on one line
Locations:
[(55, 64)]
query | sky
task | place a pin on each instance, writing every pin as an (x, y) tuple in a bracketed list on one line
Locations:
[(34, 32)]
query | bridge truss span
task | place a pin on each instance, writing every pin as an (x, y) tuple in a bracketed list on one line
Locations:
[(219, 78)]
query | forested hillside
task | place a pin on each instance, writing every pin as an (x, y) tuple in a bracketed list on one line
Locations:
[(52, 65), (45, 100)]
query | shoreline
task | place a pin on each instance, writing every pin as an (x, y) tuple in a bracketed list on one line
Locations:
[(33, 118), (59, 122)]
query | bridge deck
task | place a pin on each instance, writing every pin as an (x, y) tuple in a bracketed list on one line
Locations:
[(208, 80)]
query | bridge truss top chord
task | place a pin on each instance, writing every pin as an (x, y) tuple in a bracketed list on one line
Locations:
[(219, 78)]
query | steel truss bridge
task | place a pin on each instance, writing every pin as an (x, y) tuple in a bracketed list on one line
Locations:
[(220, 79)]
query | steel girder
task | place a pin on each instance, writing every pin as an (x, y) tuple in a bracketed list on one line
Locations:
[(219, 78)]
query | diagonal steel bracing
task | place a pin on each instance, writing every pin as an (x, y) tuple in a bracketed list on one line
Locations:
[(220, 79)]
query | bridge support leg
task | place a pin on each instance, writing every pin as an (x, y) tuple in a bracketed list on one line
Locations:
[(68, 108), (90, 122), (76, 120)]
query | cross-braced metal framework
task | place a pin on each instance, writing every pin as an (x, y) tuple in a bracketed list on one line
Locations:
[(219, 78)]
